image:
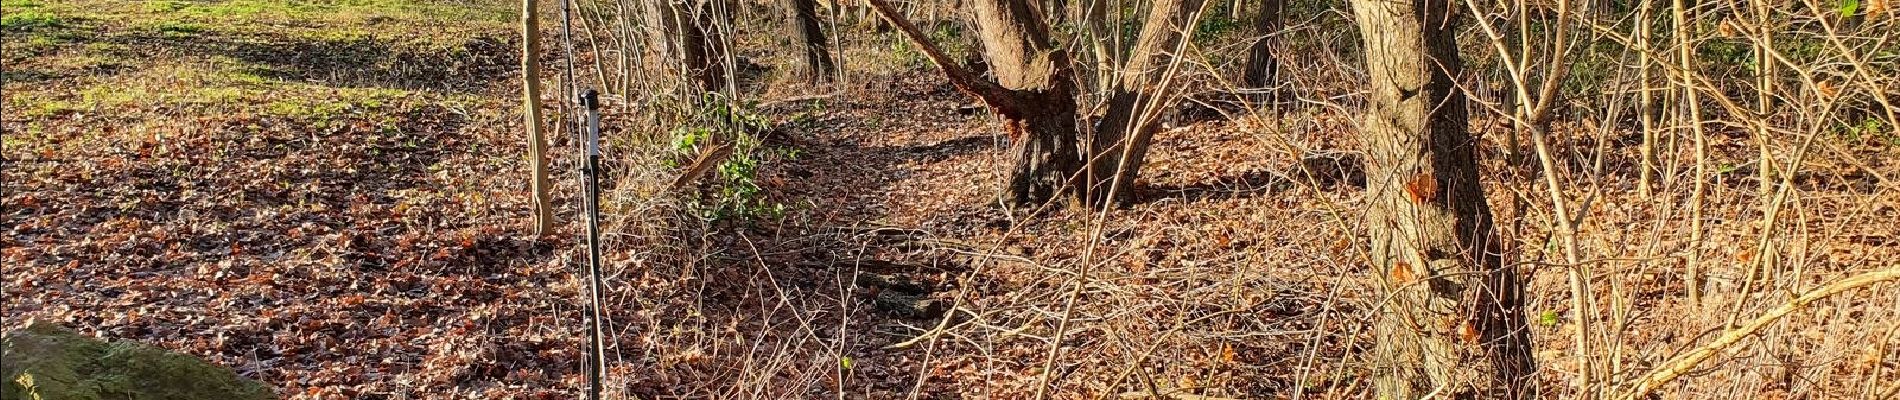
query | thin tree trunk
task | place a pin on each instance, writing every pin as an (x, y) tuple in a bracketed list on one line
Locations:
[(1054, 12), (1454, 327), (623, 21), (1103, 42), (531, 116), (802, 18), (1692, 109), (593, 43), (1647, 169), (1122, 136)]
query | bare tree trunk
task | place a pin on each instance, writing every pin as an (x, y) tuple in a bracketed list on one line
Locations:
[(684, 37), (1021, 57), (1034, 94), (531, 116), (1454, 327), (1055, 12), (1262, 68), (702, 45), (1122, 135), (1647, 118), (803, 21), (1683, 17), (1104, 42)]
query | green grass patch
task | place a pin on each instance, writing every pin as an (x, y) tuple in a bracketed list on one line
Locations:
[(307, 110), (174, 28), (333, 10), (37, 41), (30, 19), (309, 60), (165, 6)]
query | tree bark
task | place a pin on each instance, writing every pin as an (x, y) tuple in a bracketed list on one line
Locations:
[(1103, 42), (1043, 131), (807, 31), (1121, 139), (1034, 94), (531, 117), (1263, 70), (685, 36), (1454, 325)]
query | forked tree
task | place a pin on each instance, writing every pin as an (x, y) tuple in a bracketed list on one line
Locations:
[(1144, 89), (1035, 95), (1454, 325)]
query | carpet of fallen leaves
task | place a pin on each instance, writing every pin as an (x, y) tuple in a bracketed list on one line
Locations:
[(307, 205), (342, 216)]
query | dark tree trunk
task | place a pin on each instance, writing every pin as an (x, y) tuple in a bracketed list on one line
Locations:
[(1044, 157), (1035, 94), (1263, 69), (807, 32), (1454, 326), (1120, 142), (688, 35)]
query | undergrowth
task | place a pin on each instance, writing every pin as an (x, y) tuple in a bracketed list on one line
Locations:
[(734, 191)]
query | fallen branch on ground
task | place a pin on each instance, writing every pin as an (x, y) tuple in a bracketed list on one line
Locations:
[(701, 165), (1683, 363)]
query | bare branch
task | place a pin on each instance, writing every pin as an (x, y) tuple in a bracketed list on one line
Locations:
[(993, 94), (1683, 363)]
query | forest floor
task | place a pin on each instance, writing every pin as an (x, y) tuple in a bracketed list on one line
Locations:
[(325, 197), (332, 199)]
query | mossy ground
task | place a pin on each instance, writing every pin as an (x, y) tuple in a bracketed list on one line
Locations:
[(45, 361)]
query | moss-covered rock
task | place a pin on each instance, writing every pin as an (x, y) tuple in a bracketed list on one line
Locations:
[(47, 362)]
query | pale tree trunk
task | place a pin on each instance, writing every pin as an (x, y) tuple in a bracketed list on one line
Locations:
[(531, 116), (1103, 42), (1454, 326), (1143, 90), (806, 31), (1055, 12)]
